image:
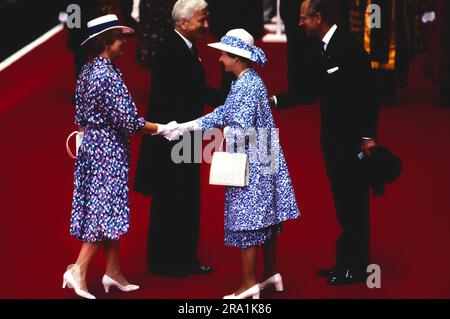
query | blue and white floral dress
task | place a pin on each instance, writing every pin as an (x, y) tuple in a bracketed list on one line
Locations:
[(253, 214), (106, 111)]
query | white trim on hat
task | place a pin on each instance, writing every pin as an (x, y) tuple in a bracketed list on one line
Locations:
[(105, 19), (125, 30), (229, 48), (102, 19)]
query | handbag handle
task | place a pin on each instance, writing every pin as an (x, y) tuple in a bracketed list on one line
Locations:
[(67, 144), (221, 145)]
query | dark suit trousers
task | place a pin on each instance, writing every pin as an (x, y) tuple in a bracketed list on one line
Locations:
[(174, 221), (351, 198)]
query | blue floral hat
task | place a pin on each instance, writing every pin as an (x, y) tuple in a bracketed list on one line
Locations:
[(240, 42)]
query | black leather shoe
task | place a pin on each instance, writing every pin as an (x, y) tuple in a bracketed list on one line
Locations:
[(346, 276), (326, 272), (200, 269), (176, 273)]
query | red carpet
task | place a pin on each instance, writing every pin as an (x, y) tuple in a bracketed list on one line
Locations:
[(410, 224)]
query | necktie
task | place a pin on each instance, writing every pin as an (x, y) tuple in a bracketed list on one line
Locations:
[(194, 50)]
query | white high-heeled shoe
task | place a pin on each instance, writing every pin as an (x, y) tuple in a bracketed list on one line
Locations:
[(108, 282), (69, 281), (251, 292), (275, 280)]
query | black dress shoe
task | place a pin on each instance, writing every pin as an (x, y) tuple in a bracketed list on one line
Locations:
[(347, 276), (200, 269), (326, 272)]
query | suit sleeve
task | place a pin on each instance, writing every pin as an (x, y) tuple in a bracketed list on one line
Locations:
[(214, 97), (292, 98), (368, 108), (170, 87)]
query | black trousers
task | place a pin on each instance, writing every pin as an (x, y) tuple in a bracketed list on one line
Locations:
[(351, 198), (173, 234)]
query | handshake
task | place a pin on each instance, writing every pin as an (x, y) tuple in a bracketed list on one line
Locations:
[(173, 130)]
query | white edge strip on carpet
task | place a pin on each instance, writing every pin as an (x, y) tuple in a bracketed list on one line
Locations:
[(19, 54)]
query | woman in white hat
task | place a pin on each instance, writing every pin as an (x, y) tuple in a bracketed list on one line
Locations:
[(253, 214), (108, 116)]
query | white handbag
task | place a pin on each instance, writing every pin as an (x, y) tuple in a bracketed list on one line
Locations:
[(229, 169)]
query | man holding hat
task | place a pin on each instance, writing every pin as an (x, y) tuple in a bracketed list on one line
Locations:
[(349, 120), (349, 113)]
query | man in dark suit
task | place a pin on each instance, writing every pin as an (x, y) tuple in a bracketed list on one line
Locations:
[(349, 116), (301, 57), (179, 92)]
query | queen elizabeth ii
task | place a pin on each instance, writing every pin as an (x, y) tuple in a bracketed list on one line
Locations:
[(253, 214)]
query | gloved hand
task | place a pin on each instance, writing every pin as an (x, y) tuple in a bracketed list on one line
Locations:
[(164, 129), (180, 129), (135, 10), (172, 131), (189, 126), (429, 16)]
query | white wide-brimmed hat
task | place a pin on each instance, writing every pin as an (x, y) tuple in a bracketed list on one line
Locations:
[(240, 42), (102, 24)]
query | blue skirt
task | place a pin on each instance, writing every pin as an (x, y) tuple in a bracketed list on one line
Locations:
[(250, 238)]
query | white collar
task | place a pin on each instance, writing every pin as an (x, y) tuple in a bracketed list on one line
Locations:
[(327, 38), (189, 43)]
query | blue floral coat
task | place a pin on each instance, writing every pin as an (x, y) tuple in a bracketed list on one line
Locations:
[(269, 199)]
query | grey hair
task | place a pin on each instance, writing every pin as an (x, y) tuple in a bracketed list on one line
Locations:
[(185, 9)]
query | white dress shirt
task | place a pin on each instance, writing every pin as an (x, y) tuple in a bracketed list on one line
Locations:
[(188, 43), (327, 38)]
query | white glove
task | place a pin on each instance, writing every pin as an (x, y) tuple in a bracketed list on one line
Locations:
[(429, 17), (163, 129), (135, 10), (175, 131), (171, 131), (183, 128), (173, 135), (189, 126)]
